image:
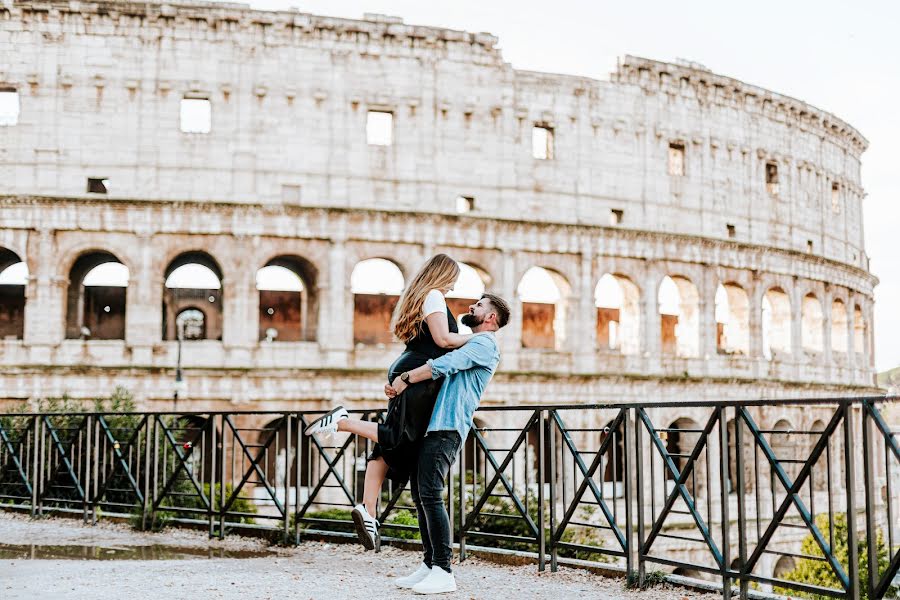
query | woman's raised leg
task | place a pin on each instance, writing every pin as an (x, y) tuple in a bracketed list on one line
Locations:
[(366, 429)]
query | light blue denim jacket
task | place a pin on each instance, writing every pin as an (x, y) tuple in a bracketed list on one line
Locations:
[(467, 370)]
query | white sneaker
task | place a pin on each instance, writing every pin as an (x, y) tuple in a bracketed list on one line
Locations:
[(438, 581), (413, 578), (328, 422), (366, 528)]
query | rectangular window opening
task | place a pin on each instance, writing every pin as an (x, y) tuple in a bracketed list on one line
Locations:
[(731, 230), (196, 114), (772, 178), (465, 204), (542, 142), (379, 128), (836, 197), (616, 216), (97, 185), (9, 106), (809, 246), (676, 159), (290, 194)]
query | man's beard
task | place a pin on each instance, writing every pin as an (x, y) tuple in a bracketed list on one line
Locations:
[(470, 320)]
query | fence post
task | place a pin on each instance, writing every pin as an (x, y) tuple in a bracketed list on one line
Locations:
[(639, 484), (148, 423), (723, 494), (741, 507), (626, 476), (871, 529), (541, 508), (850, 483), (87, 505), (35, 461), (462, 493), (552, 449), (211, 517)]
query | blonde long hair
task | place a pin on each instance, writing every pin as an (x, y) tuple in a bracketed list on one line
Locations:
[(438, 273)]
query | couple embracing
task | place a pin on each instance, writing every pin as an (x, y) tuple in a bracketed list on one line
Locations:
[(433, 387)]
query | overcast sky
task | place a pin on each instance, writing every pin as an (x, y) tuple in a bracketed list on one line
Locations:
[(840, 56)]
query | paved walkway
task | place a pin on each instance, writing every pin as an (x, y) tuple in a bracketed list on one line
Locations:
[(312, 571)]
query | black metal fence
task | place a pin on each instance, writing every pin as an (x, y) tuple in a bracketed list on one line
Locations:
[(789, 496)]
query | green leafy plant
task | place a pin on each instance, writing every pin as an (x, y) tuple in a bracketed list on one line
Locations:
[(820, 573)]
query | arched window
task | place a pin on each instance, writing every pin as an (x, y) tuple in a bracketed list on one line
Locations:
[(776, 323), (732, 320), (376, 285), (618, 314), (544, 295), (193, 281), (839, 334), (681, 437), (95, 307), (679, 308), (287, 300), (812, 323), (468, 290), (13, 279)]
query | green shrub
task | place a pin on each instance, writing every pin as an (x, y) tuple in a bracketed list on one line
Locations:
[(404, 517), (161, 518)]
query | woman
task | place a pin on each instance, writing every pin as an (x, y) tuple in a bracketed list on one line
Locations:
[(423, 321)]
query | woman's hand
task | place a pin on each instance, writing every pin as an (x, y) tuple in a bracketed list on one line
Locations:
[(398, 385), (389, 391)]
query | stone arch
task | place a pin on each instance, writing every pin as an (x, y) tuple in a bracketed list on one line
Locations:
[(544, 294), (376, 285), (679, 310), (732, 319), (193, 280), (288, 299), (680, 437), (783, 566), (614, 460), (812, 324), (474, 453), (839, 326), (783, 442), (473, 281), (274, 465), (776, 323), (13, 281), (95, 298), (618, 302)]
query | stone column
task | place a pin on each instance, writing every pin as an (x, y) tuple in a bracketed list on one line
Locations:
[(511, 338), (754, 300), (143, 304), (335, 331), (706, 320), (45, 294), (583, 328), (828, 314), (652, 345)]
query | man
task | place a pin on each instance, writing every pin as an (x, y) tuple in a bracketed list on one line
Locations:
[(467, 371)]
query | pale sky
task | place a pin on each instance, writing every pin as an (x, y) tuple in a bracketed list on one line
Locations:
[(839, 56)]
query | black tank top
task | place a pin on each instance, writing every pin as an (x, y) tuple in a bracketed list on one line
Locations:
[(423, 343)]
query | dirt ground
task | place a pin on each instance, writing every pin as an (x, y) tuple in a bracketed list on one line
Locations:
[(314, 570)]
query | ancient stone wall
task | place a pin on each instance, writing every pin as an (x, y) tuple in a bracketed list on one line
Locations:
[(663, 171)]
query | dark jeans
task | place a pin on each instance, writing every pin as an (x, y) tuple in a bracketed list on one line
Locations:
[(438, 451)]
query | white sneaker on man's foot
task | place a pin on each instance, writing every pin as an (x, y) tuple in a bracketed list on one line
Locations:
[(414, 577), (366, 528), (327, 423), (438, 581)]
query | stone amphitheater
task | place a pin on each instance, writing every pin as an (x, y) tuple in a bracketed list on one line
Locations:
[(683, 235)]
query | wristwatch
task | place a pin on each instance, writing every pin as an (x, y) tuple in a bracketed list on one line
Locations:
[(404, 377)]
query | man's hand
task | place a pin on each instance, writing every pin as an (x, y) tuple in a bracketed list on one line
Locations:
[(389, 391), (398, 385)]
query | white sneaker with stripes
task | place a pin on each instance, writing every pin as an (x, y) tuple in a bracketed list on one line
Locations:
[(413, 578), (366, 528), (328, 423)]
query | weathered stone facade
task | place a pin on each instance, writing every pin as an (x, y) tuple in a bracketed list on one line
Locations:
[(766, 195)]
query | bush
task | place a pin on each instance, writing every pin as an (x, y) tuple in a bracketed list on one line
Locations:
[(161, 518), (332, 519), (404, 517), (818, 572)]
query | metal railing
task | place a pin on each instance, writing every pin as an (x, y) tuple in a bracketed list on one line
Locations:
[(721, 491)]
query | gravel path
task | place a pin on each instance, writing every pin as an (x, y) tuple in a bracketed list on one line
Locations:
[(312, 570)]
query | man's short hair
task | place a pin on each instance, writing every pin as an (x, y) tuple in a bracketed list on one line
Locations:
[(500, 307)]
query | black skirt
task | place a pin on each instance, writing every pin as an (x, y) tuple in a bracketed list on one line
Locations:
[(406, 420)]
